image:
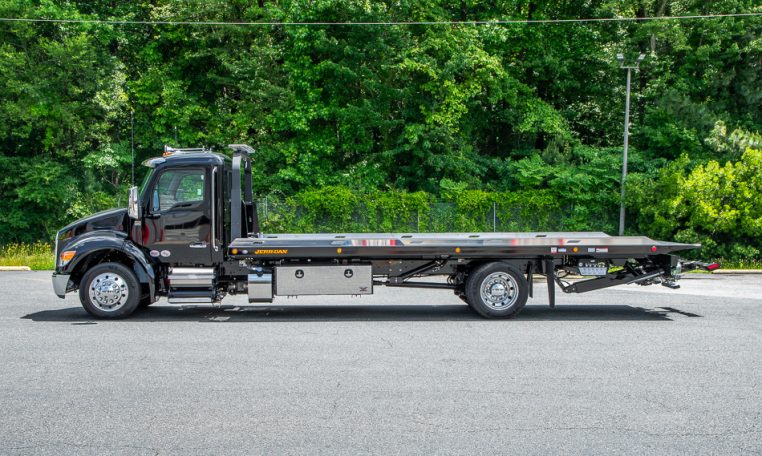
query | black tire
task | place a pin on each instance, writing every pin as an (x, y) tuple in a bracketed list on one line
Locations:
[(507, 279), (120, 286)]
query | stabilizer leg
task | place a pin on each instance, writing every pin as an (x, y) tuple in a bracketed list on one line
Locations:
[(530, 278), (550, 274)]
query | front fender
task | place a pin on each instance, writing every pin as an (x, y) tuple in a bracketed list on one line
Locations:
[(142, 266), (87, 244), (98, 244)]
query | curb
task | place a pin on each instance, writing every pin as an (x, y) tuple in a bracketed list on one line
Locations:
[(737, 271), (15, 268)]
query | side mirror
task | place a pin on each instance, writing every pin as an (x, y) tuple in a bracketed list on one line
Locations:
[(133, 204)]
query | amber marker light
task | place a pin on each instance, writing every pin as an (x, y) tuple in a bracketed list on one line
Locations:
[(67, 256), (338, 250), (234, 251), (575, 249), (457, 249)]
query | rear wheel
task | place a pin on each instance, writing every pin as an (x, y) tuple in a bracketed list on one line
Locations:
[(109, 290), (497, 290)]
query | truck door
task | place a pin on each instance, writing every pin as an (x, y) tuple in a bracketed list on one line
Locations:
[(177, 228)]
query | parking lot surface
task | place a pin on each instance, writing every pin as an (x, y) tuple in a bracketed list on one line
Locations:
[(630, 370)]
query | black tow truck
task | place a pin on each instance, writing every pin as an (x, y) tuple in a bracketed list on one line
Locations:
[(191, 234)]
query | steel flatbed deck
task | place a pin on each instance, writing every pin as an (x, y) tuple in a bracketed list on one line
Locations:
[(449, 245)]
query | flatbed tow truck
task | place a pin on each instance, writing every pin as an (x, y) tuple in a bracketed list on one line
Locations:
[(191, 234)]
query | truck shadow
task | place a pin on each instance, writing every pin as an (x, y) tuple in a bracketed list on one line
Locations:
[(233, 314)]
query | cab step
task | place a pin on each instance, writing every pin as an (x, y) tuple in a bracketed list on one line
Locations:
[(191, 286)]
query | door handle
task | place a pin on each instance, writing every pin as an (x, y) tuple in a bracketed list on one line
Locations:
[(198, 245)]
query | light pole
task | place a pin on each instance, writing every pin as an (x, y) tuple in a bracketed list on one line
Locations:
[(629, 68)]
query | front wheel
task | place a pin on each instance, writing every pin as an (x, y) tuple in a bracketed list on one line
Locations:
[(109, 290), (497, 290)]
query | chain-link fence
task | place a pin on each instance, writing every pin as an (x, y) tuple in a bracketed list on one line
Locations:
[(279, 215)]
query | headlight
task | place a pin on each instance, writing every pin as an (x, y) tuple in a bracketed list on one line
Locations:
[(61, 237), (55, 252)]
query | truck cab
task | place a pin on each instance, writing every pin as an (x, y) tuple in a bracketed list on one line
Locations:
[(178, 221)]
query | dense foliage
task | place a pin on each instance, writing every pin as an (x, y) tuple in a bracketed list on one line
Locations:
[(526, 117)]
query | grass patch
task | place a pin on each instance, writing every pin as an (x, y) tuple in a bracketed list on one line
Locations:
[(753, 263), (38, 256)]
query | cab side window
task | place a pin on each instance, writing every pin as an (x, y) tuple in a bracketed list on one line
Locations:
[(178, 188)]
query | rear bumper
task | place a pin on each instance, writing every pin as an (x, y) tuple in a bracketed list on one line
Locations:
[(60, 284)]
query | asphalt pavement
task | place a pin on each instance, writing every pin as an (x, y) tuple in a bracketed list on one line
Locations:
[(630, 370)]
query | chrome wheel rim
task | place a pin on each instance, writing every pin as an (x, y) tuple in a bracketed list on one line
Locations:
[(499, 291), (108, 291)]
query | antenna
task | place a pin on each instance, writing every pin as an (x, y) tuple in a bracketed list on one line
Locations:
[(132, 143)]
